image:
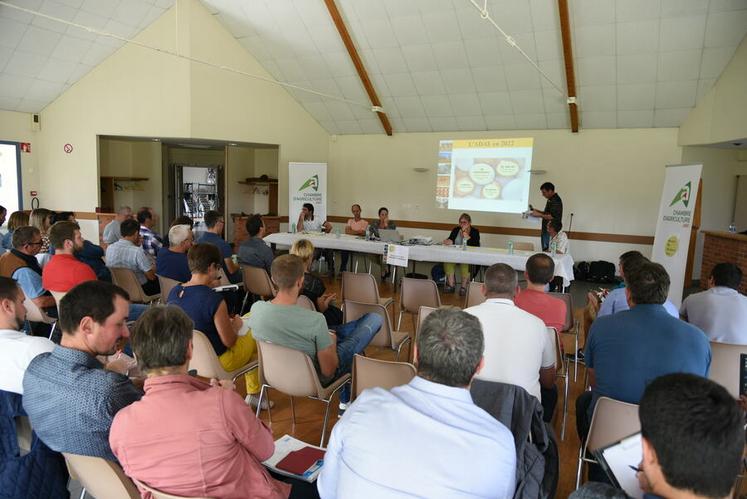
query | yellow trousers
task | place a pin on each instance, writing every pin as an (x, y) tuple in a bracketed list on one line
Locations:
[(450, 268), (238, 356)]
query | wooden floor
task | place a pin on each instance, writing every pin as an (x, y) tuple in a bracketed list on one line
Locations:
[(309, 413)]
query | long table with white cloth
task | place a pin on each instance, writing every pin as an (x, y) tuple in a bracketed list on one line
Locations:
[(427, 253)]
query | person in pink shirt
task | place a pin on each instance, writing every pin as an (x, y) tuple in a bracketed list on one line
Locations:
[(356, 226), (539, 272), (186, 436)]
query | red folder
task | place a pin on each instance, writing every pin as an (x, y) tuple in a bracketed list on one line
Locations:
[(298, 461)]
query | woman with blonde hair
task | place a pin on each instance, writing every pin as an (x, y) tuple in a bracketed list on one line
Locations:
[(313, 287), (41, 218), (17, 219)]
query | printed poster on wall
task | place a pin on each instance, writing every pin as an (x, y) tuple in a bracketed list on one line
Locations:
[(674, 223), (307, 183)]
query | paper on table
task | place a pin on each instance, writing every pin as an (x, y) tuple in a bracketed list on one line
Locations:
[(283, 446), (620, 458)]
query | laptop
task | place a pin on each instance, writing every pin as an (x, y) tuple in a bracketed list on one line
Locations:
[(389, 235)]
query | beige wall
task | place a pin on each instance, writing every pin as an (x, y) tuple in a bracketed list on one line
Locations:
[(16, 127), (128, 158)]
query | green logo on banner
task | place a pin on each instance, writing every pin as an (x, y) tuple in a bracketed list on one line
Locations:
[(313, 182), (683, 195)]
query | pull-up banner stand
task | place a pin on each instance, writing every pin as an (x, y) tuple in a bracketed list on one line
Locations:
[(307, 183), (673, 226)]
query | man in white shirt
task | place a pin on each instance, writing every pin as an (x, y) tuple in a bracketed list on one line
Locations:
[(519, 349), (16, 348), (426, 438), (720, 311)]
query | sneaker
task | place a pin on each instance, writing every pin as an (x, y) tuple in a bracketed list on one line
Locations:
[(462, 291), (341, 409), (253, 400)]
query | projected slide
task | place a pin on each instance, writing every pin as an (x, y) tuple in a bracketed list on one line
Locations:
[(484, 175)]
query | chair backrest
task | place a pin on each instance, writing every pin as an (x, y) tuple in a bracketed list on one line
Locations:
[(361, 288), (555, 338), (290, 371), (568, 299), (34, 313), (524, 245), (354, 310), (101, 478), (204, 358), (157, 494), (58, 296), (257, 281), (125, 279), (304, 302), (370, 373), (612, 420), (725, 359), (474, 294), (167, 284), (423, 312), (417, 292)]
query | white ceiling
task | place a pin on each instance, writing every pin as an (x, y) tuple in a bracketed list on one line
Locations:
[(435, 64)]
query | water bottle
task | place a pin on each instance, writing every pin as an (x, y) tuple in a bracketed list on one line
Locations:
[(510, 247), (553, 248), (292, 228), (733, 228), (368, 232), (464, 244), (337, 232)]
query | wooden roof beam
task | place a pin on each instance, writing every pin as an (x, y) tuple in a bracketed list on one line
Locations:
[(570, 75)]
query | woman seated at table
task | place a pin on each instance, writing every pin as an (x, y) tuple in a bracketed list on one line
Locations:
[(382, 223), (461, 233), (313, 287), (558, 237), (209, 312)]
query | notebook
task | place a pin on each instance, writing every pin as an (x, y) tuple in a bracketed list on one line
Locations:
[(295, 458)]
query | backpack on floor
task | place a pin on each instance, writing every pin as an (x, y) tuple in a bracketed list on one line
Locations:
[(581, 271), (438, 274), (601, 271)]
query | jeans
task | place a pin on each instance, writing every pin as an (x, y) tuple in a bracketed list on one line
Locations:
[(352, 338), (549, 401), (545, 239)]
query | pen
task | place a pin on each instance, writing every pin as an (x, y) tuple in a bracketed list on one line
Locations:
[(635, 468)]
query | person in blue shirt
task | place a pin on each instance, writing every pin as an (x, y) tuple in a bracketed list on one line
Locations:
[(215, 224), (171, 262)]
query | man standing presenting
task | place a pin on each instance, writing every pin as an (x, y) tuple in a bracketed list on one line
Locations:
[(553, 211), (111, 231)]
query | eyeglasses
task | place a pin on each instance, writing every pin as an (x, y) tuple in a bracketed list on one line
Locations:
[(34, 244)]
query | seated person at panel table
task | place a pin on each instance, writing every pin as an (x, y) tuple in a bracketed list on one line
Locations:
[(355, 226), (382, 223), (558, 237), (720, 311), (625, 351), (91, 254), (426, 438), (17, 219), (111, 231), (209, 312), (69, 396), (518, 348), (464, 232), (127, 253), (313, 287), (157, 438), (281, 321), (20, 264), (253, 251), (172, 261), (307, 223), (214, 224)]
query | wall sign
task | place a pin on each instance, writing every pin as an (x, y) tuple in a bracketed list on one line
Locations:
[(68, 148)]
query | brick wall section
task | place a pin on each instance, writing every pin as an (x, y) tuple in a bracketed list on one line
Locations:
[(724, 248)]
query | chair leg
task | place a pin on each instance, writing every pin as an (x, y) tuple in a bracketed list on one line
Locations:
[(324, 425), (579, 467), (399, 319), (82, 494), (565, 406), (261, 397), (575, 355), (293, 414)]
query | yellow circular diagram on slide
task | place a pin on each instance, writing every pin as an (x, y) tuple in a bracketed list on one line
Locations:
[(491, 191), (508, 168), (482, 173), (464, 187), (671, 246)]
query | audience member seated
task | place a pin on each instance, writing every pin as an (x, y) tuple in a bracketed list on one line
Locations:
[(180, 220), (374, 227), (215, 224), (625, 351), (64, 271), (70, 397), (313, 287), (540, 269), (112, 233), (17, 219), (518, 348), (426, 438), (154, 438), (151, 241), (16, 348), (692, 439), (720, 311), (464, 233), (355, 226), (308, 223), (283, 322), (558, 237), (91, 254), (20, 264), (209, 312), (128, 254), (41, 218), (172, 261), (253, 251)]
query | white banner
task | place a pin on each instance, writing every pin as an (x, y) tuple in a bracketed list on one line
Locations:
[(673, 225), (307, 183), (396, 254)]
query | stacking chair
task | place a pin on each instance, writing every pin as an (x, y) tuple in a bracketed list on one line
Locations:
[(167, 284), (101, 478), (612, 421), (423, 312), (157, 494), (125, 279), (58, 296), (386, 337), (303, 301), (372, 373), (293, 373), (561, 371), (35, 314), (414, 294), (570, 327), (205, 361), (257, 282), (474, 294), (362, 288), (725, 358)]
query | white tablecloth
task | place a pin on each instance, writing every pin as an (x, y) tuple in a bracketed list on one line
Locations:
[(434, 253)]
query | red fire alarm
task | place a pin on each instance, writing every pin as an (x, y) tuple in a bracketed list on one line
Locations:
[(25, 146)]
